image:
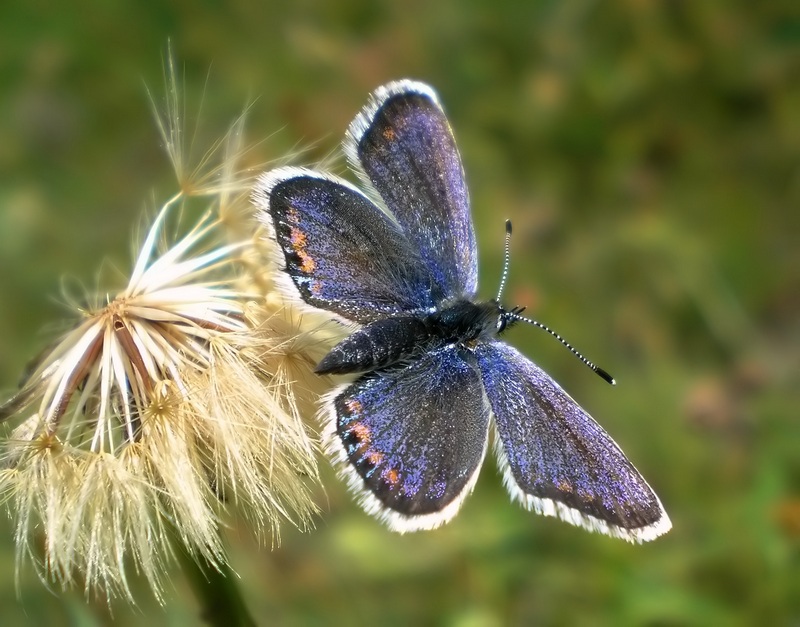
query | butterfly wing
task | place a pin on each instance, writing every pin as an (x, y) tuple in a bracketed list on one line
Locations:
[(410, 440), (340, 252), (556, 459), (402, 145)]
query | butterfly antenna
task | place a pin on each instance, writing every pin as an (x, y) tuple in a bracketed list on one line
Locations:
[(514, 315), (506, 259)]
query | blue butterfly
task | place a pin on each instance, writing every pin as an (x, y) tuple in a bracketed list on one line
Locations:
[(398, 262)]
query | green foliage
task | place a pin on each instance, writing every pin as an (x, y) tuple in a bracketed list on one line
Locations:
[(647, 153)]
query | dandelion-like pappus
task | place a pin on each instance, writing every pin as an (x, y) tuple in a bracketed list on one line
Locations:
[(164, 406)]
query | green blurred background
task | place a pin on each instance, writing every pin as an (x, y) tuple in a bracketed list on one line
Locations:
[(649, 155)]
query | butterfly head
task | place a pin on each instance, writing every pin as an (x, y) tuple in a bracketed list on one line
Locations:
[(507, 317)]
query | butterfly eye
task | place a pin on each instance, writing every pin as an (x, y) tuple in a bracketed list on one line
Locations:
[(501, 324)]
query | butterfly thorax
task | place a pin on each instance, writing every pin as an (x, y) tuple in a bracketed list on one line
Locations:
[(465, 322), (391, 340)]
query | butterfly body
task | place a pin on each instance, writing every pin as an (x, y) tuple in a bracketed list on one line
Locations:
[(432, 378), (388, 341)]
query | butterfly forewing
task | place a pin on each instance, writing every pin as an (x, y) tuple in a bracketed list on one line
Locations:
[(341, 252), (402, 145)]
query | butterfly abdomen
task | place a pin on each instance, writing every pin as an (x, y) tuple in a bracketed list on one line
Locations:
[(377, 345)]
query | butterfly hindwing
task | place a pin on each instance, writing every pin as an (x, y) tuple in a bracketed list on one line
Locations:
[(411, 439), (341, 252), (557, 460), (402, 145)]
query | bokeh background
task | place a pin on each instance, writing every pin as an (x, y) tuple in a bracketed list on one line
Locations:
[(648, 153)]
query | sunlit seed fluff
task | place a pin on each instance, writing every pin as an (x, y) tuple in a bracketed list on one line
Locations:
[(293, 340), (149, 417), (171, 405)]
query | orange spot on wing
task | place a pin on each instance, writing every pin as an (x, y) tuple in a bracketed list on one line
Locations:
[(299, 239), (391, 476), (361, 433), (374, 458), (354, 407), (299, 244), (388, 134), (308, 264)]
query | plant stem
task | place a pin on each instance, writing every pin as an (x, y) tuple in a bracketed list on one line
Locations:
[(217, 591)]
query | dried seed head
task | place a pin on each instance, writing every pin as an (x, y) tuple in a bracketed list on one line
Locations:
[(163, 408)]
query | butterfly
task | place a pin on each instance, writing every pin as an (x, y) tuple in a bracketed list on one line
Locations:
[(430, 376)]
